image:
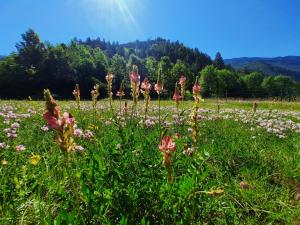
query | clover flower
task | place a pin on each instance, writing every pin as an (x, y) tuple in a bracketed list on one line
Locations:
[(20, 148), (78, 132)]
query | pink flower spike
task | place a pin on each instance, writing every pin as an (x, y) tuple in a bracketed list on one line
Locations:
[(158, 87), (182, 79), (146, 85), (167, 144), (134, 77), (69, 119), (52, 121), (176, 96), (196, 88)]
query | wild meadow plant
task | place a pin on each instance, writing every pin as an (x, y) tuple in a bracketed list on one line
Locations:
[(95, 95), (194, 117), (167, 149), (63, 124), (159, 87), (76, 93), (182, 82), (135, 87), (109, 78), (141, 175), (120, 93), (177, 98), (145, 89)]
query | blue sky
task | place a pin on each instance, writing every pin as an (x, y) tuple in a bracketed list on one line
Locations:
[(234, 27)]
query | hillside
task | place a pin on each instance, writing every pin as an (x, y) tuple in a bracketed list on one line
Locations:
[(288, 65)]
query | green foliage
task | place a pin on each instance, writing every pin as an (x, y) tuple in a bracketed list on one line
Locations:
[(119, 177), (38, 64)]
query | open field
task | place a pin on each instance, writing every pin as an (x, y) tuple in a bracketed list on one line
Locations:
[(244, 168)]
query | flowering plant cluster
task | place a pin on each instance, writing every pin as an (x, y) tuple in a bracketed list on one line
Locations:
[(109, 78), (76, 93), (167, 149), (63, 124), (146, 87)]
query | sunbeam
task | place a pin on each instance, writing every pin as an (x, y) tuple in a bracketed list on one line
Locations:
[(114, 12)]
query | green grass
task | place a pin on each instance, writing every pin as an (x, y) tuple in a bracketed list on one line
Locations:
[(119, 177)]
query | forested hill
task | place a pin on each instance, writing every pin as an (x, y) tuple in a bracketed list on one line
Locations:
[(156, 48), (38, 64), (288, 65)]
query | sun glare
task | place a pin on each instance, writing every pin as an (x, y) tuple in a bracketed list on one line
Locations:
[(115, 11)]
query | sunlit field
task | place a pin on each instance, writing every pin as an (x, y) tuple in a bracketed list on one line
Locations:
[(242, 168)]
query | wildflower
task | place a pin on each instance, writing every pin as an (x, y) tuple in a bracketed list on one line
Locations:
[(15, 125), (149, 123), (79, 148), (196, 87), (7, 130), (34, 159), (76, 93), (20, 148), (109, 78), (78, 132), (3, 146), (64, 125), (118, 146), (4, 162), (188, 151), (11, 135), (146, 87), (134, 75), (107, 122), (176, 96), (120, 93), (159, 87), (52, 114), (135, 82), (182, 82), (167, 148), (95, 94), (44, 128), (194, 122), (88, 134)]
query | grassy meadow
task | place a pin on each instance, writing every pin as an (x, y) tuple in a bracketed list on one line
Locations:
[(244, 168)]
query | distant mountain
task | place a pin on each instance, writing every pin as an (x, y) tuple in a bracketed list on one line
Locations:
[(288, 65), (2, 57)]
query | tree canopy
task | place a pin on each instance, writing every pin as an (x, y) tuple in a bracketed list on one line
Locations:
[(37, 65)]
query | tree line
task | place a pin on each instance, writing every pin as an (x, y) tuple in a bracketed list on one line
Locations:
[(37, 65)]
